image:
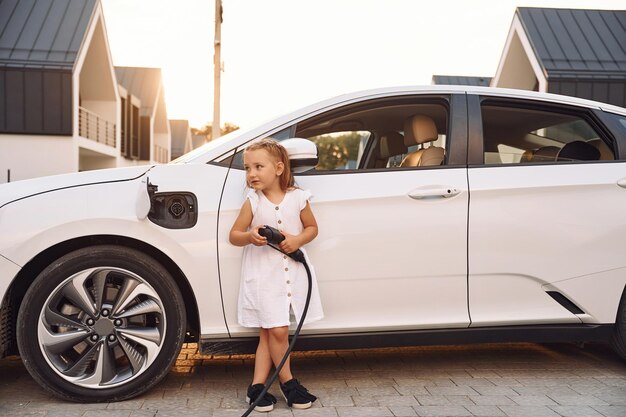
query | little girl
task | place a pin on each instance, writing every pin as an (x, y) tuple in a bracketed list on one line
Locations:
[(272, 284)]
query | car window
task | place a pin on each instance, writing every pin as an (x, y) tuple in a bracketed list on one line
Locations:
[(341, 150), (515, 135), (402, 133), (373, 135), (621, 121)]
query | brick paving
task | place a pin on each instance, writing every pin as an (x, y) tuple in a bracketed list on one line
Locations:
[(508, 380)]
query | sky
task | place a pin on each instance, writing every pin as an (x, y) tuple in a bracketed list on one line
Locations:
[(280, 55)]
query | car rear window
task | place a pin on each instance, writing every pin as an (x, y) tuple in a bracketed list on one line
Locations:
[(515, 134)]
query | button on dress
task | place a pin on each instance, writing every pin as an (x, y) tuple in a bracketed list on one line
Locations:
[(271, 283)]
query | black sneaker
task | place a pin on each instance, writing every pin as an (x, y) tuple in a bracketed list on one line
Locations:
[(296, 395), (267, 402)]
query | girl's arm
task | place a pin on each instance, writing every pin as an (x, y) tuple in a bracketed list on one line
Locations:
[(293, 243), (239, 234)]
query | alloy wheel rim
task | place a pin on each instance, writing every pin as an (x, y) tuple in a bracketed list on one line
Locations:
[(101, 327)]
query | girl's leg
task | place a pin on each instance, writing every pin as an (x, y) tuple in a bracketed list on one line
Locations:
[(297, 396), (262, 359), (278, 344)]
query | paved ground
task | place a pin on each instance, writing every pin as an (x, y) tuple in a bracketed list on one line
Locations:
[(480, 380)]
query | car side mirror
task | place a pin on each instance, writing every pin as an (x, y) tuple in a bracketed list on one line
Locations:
[(303, 154)]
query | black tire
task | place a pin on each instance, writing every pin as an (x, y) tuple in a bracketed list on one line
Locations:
[(618, 340), (102, 323)]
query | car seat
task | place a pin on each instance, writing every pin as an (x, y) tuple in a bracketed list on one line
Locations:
[(527, 156), (420, 130), (578, 151), (390, 144), (606, 154), (546, 154)]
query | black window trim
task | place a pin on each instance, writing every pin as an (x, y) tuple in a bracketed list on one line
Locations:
[(435, 99)]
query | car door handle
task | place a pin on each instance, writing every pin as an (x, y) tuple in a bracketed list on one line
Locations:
[(433, 192), (622, 182)]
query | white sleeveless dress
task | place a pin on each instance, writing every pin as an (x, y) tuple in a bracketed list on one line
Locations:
[(272, 283)]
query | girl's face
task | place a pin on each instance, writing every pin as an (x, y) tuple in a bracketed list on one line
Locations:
[(262, 170)]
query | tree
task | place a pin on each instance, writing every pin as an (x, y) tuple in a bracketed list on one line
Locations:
[(206, 130), (337, 150)]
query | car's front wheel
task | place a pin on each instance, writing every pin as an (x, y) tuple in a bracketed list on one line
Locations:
[(102, 323)]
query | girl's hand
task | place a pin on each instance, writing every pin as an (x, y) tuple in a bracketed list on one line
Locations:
[(290, 244), (255, 238)]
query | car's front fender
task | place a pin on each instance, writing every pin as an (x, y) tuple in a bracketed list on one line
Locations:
[(30, 226)]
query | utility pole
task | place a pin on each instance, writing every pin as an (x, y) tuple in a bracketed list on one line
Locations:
[(217, 69)]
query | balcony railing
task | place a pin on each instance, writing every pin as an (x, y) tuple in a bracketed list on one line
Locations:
[(92, 126)]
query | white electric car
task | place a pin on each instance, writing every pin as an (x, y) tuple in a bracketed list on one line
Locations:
[(446, 215)]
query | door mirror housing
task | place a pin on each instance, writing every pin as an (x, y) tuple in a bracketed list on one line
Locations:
[(303, 154)]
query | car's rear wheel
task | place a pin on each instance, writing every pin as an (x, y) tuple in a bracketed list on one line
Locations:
[(102, 323)]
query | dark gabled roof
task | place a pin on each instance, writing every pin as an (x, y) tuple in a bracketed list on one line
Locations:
[(43, 33), (570, 43), (143, 83), (460, 80)]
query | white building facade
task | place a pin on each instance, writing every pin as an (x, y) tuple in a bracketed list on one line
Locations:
[(61, 108)]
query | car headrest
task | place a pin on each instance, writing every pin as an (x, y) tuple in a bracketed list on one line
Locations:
[(578, 151), (419, 129), (605, 152), (391, 144)]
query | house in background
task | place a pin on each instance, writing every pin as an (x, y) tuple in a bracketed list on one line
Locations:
[(578, 53), (146, 127), (63, 106), (181, 138), (59, 106)]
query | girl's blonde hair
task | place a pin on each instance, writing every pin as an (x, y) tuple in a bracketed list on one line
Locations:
[(279, 153)]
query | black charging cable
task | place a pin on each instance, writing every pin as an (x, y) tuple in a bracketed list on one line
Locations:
[(274, 237)]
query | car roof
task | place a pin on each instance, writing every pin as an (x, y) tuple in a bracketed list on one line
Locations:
[(493, 91)]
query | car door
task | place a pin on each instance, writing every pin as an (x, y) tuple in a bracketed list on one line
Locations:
[(391, 253), (546, 218)]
